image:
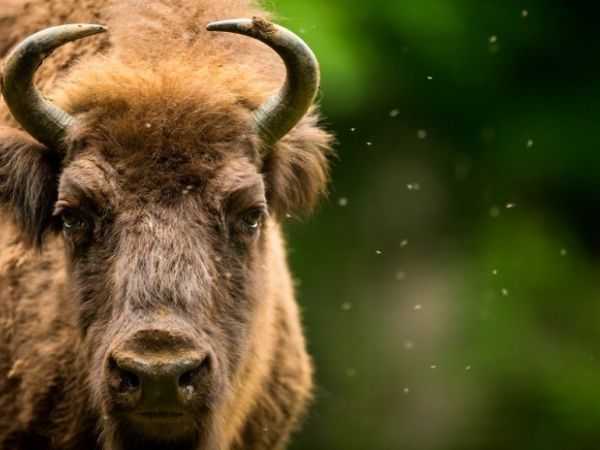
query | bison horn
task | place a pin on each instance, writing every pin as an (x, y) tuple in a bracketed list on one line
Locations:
[(38, 116), (280, 113)]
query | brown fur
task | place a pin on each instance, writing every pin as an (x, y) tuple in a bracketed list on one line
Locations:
[(163, 164)]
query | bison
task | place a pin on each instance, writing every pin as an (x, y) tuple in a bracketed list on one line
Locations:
[(145, 298)]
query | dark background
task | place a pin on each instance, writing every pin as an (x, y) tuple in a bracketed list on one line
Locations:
[(450, 283)]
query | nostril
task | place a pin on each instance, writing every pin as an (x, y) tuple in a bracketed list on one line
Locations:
[(192, 376), (123, 380), (129, 381), (185, 379)]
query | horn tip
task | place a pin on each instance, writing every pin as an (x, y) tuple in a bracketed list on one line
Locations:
[(91, 28), (230, 25), (97, 28)]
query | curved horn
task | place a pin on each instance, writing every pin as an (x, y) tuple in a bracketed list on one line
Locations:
[(38, 116), (279, 114)]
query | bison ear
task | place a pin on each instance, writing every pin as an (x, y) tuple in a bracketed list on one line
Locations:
[(297, 169), (28, 183)]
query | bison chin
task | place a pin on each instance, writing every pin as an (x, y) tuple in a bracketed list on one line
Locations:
[(157, 433)]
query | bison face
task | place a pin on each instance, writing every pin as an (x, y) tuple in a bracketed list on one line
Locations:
[(168, 243), (174, 261)]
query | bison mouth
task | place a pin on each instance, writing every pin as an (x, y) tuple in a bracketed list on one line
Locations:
[(157, 430), (162, 425), (159, 415)]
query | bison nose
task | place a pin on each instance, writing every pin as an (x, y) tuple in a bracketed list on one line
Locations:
[(157, 378), (155, 384), (158, 381)]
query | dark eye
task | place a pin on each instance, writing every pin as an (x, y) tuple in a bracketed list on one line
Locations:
[(73, 222), (253, 219)]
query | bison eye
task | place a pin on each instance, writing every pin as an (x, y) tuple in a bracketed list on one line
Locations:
[(252, 220), (73, 222)]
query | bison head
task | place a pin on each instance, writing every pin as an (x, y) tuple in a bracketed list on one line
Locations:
[(166, 183)]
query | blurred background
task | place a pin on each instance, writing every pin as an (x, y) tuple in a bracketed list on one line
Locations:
[(450, 284)]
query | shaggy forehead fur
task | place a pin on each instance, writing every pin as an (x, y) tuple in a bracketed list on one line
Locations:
[(184, 126)]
